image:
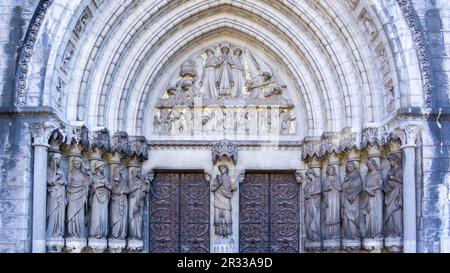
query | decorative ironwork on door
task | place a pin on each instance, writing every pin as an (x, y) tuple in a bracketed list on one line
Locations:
[(179, 213), (269, 219)]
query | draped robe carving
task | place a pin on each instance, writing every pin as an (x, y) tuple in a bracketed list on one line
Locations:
[(393, 189), (119, 207), (332, 204), (77, 194), (99, 203), (351, 187), (312, 205), (373, 195), (223, 188), (138, 190), (56, 198)]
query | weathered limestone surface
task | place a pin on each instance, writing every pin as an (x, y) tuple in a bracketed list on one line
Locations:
[(396, 73)]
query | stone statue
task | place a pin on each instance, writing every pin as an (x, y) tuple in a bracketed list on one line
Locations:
[(99, 202), (393, 201), (225, 81), (286, 119), (351, 189), (77, 194), (267, 88), (373, 201), (56, 198), (138, 189), (332, 204), (312, 205), (238, 73), (119, 206), (223, 188), (208, 79)]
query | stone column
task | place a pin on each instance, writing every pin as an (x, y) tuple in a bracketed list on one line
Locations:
[(409, 188), (40, 131), (374, 245)]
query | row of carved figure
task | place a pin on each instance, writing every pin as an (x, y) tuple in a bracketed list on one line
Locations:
[(182, 121), (375, 201), (113, 209)]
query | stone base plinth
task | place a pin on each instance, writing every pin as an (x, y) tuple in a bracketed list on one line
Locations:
[(135, 246), (55, 245), (373, 245), (351, 245), (223, 245), (393, 244), (75, 245), (313, 246), (331, 245), (116, 246), (98, 245)]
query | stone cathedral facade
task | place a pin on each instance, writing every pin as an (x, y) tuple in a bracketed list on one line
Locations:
[(224, 126)]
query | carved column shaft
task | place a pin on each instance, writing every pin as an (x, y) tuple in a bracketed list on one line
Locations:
[(40, 132), (409, 188)]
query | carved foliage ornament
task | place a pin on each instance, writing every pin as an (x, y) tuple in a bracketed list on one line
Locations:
[(224, 150)]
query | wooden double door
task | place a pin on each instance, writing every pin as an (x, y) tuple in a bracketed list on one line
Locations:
[(269, 216), (179, 213)]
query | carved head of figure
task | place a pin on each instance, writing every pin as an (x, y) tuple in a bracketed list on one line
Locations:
[(171, 91), (311, 174), (267, 76), (76, 163), (135, 173), (237, 52), (394, 160), (99, 167), (350, 167), (55, 161), (223, 169), (331, 171), (225, 49), (210, 52), (372, 165)]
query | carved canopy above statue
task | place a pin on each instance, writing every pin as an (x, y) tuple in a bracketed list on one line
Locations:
[(228, 90)]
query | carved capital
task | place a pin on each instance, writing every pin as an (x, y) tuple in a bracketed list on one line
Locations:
[(241, 178), (79, 135), (95, 154), (120, 143), (57, 139), (370, 136), (41, 132), (100, 140), (311, 149), (409, 135), (353, 154), (299, 177), (224, 150), (138, 147), (150, 177)]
